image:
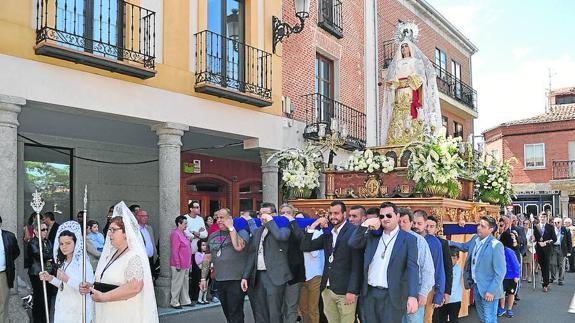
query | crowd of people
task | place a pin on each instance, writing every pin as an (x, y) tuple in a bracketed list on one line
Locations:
[(385, 264)]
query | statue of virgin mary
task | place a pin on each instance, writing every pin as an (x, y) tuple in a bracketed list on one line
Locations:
[(411, 101)]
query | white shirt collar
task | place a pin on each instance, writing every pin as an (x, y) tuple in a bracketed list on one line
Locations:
[(393, 232)]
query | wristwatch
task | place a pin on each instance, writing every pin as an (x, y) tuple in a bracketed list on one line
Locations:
[(232, 229)]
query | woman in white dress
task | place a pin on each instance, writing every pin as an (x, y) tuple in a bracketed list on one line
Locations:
[(123, 290), (68, 256)]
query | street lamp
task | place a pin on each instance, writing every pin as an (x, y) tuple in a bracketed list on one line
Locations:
[(282, 29)]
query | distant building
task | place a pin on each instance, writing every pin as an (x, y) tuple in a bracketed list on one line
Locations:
[(544, 145)]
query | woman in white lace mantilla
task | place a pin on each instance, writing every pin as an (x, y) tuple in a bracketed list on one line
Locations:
[(124, 265), (68, 256)]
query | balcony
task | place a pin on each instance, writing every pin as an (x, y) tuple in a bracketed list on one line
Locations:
[(447, 83), (322, 113), (112, 35), (563, 169), (330, 17), (233, 70)]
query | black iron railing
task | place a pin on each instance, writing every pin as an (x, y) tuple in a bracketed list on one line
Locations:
[(330, 16), (564, 169), (112, 29), (455, 88), (388, 52), (230, 64), (321, 115), (447, 83)]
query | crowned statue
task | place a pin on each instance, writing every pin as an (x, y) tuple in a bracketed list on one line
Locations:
[(411, 101)]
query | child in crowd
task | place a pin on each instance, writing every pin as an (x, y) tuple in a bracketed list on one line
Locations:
[(199, 258), (511, 279), (450, 312)]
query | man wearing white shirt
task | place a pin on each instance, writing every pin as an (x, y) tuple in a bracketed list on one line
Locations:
[(309, 293), (391, 254), (195, 230)]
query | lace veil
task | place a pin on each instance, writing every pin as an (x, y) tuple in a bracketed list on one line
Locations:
[(430, 112), (75, 228), (135, 245)]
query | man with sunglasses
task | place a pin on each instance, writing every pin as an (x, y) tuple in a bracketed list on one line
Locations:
[(484, 269), (390, 271)]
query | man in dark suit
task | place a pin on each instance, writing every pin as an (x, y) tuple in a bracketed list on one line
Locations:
[(296, 266), (50, 221), (341, 280), (390, 283), (267, 271), (9, 251), (545, 237), (432, 228), (561, 248)]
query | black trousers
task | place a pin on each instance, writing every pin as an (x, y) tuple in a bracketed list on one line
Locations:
[(38, 309), (543, 260), (267, 299), (232, 299), (378, 307), (195, 275), (572, 261), (449, 312)]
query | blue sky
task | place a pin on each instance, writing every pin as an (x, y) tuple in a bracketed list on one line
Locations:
[(518, 42)]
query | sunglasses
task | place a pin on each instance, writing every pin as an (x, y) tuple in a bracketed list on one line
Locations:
[(388, 215), (43, 229)]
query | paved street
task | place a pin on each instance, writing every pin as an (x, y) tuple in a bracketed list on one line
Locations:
[(534, 307)]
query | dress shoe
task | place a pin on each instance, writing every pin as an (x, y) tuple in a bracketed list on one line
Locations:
[(176, 307), (189, 305), (560, 283)]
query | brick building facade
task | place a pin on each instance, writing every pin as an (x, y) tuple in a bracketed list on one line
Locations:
[(435, 33), (544, 146)]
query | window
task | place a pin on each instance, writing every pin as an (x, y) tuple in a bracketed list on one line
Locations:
[(532, 209), (456, 70), (566, 99), (226, 22), (324, 87), (517, 209), (440, 62), (495, 154), (50, 172), (457, 129), (330, 17), (534, 155)]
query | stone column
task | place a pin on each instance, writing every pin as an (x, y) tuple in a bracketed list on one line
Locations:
[(9, 109), (270, 189), (169, 143), (564, 203), (321, 193)]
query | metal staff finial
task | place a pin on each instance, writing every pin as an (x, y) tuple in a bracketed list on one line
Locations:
[(37, 205)]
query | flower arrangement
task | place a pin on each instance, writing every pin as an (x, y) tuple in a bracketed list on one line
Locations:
[(300, 170), (369, 161), (435, 165), (493, 182)]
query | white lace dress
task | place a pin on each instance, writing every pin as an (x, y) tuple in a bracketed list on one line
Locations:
[(68, 306), (129, 266)]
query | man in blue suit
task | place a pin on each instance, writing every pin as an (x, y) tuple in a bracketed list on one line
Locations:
[(484, 269), (390, 270)]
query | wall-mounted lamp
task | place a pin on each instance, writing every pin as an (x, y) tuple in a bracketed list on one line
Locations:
[(282, 29)]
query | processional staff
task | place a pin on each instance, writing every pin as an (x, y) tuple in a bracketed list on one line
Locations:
[(37, 205), (84, 251)]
